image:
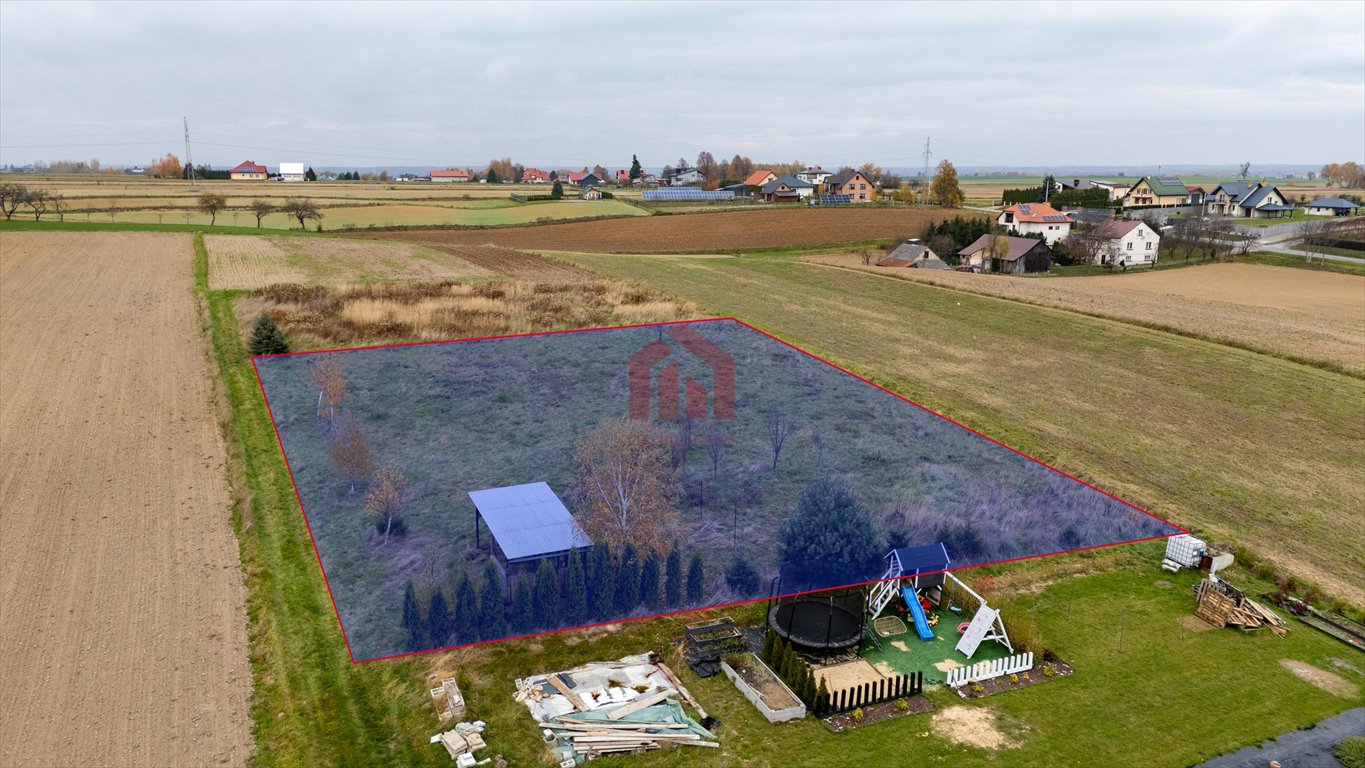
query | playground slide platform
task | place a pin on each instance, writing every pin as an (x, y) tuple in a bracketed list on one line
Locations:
[(916, 612)]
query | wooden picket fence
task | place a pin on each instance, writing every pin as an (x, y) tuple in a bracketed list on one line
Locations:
[(987, 670), (886, 689)]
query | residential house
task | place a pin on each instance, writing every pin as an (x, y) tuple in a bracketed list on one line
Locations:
[(787, 189), (591, 192), (535, 176), (1035, 218), (689, 176), (913, 254), (406, 177), (249, 171), (1197, 194), (817, 176), (1332, 206), (852, 183), (1022, 255), (758, 178), (1127, 243), (291, 172), (1116, 191), (623, 176), (1157, 191), (588, 180), (1241, 199), (451, 175)]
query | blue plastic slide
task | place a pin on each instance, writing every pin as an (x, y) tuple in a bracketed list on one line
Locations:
[(921, 623)]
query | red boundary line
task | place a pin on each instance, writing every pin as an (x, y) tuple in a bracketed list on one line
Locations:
[(279, 441)]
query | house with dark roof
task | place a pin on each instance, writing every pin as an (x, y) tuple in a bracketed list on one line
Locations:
[(858, 187), (685, 177), (1116, 191), (1253, 201), (1035, 218), (913, 254), (787, 189), (1020, 255), (814, 175), (249, 171), (1157, 190), (1331, 206)]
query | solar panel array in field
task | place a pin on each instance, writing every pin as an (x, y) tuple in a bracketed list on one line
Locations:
[(676, 194)]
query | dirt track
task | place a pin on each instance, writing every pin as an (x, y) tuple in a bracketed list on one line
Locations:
[(727, 231), (121, 598)]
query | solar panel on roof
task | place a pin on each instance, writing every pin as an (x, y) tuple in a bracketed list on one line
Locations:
[(528, 520), (1024, 209)]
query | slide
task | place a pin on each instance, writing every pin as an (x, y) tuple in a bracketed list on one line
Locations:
[(921, 623)]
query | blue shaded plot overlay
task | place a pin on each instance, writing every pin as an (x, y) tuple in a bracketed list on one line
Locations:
[(469, 417)]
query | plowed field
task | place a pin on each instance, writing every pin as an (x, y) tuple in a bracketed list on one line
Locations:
[(122, 613), (728, 231)]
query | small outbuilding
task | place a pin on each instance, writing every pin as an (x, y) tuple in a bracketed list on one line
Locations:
[(291, 172), (526, 523), (913, 254), (1022, 255), (1332, 206)]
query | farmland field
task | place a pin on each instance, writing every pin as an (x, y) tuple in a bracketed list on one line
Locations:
[(724, 231), (1233, 443), (121, 599), (1294, 313), (246, 262)]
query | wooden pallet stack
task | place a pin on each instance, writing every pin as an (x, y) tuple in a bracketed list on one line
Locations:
[(1223, 605), (596, 738)]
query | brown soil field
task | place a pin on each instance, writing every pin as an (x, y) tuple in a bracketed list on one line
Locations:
[(247, 262), (518, 264), (726, 231), (121, 596), (1295, 313)]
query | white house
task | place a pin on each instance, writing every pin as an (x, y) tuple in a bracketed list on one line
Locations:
[(1040, 218), (689, 176), (291, 172), (1254, 201), (1129, 243), (816, 176)]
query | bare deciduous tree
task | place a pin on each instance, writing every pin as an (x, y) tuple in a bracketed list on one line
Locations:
[(331, 384), (12, 195), (60, 205), (261, 209), (37, 201), (350, 453), (1314, 236), (629, 485), (302, 209), (211, 203), (715, 445), (780, 427), (385, 499)]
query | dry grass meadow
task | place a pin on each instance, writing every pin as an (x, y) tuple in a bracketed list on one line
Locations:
[(122, 607), (247, 262), (1294, 313), (348, 315)]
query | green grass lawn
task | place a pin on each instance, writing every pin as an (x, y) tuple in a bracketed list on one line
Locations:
[(1302, 262), (1194, 431)]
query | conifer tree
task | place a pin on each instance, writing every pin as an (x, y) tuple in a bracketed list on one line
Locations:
[(466, 612), (412, 618), (696, 581), (770, 641), (523, 617), (492, 620), (546, 601), (438, 620), (575, 601), (267, 338), (673, 582), (628, 581), (649, 580), (602, 582), (635, 170)]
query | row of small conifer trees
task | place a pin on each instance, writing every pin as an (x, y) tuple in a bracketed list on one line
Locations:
[(782, 659), (594, 585)]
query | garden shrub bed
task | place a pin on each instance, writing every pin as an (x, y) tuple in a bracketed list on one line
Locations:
[(1021, 680)]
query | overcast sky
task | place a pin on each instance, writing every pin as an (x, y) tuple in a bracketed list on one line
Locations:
[(558, 84)]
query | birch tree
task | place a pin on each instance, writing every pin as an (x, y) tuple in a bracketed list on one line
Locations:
[(385, 499), (626, 474)]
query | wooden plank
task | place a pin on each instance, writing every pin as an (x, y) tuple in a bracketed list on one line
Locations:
[(568, 692), (597, 725), (639, 704)]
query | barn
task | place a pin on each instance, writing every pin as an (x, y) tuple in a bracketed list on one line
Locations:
[(526, 523)]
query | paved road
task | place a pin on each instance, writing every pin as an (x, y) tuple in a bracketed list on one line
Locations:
[(1309, 748)]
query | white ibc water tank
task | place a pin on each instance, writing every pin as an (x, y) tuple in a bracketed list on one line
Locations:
[(1185, 550)]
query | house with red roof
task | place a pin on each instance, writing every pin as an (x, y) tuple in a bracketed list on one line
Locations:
[(249, 171), (759, 178), (450, 175), (1035, 218), (535, 176)]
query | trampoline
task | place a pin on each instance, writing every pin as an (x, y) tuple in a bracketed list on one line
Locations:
[(816, 623)]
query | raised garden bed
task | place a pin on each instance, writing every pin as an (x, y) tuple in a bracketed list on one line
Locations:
[(876, 713), (763, 688), (1039, 674)]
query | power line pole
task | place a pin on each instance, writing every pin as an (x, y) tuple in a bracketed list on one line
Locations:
[(189, 159), (927, 155)]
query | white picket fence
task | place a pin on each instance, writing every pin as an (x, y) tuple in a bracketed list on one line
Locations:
[(986, 670)]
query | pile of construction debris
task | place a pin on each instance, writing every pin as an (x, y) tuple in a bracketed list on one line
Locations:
[(462, 742), (611, 707), (449, 692), (1224, 605)]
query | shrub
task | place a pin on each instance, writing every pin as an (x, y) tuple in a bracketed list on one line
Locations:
[(742, 578), (412, 618), (1049, 670), (492, 620), (267, 338), (575, 590), (976, 688), (628, 581), (545, 599), (1351, 752), (696, 581), (770, 641), (523, 614), (673, 586), (902, 705), (466, 612), (1014, 678), (649, 580), (858, 715), (438, 623)]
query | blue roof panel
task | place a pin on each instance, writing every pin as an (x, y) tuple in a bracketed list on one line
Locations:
[(923, 559), (528, 521)]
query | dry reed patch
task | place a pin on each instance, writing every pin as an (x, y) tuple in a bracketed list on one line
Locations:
[(343, 315), (1328, 681), (1290, 312), (250, 262)]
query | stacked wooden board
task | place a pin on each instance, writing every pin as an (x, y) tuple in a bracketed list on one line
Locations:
[(1223, 605)]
